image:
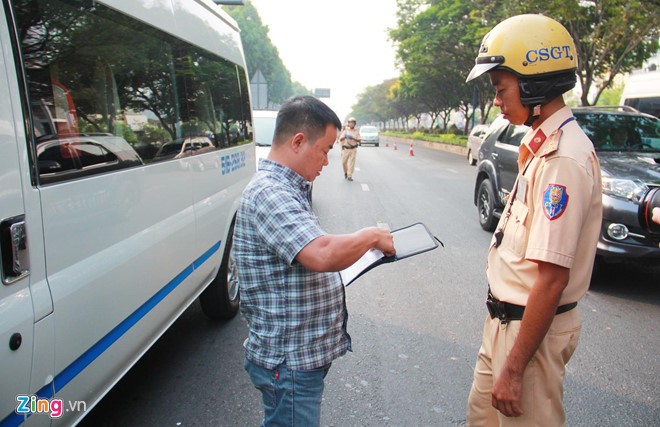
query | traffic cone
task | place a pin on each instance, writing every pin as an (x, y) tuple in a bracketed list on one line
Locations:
[(411, 150), (395, 147)]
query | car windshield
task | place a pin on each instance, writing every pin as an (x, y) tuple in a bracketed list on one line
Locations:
[(617, 132), (368, 129)]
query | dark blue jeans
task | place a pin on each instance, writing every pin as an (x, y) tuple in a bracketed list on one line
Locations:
[(291, 398)]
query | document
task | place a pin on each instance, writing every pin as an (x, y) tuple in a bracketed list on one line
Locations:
[(408, 241), (368, 261)]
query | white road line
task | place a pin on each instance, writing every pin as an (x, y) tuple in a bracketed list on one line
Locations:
[(365, 187), (452, 170)]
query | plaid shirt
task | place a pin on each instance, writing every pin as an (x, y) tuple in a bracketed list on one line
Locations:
[(293, 314)]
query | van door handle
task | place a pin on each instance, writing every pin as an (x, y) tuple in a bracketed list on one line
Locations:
[(494, 155), (13, 244)]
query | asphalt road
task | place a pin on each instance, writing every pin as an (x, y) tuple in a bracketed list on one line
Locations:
[(416, 324)]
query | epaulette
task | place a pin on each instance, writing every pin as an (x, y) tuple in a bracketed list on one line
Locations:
[(553, 143)]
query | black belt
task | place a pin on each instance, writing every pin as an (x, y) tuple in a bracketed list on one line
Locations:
[(348, 147), (508, 312)]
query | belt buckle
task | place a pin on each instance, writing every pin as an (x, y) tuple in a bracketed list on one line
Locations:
[(497, 310)]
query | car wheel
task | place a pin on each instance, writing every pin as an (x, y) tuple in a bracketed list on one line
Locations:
[(377, 144), (486, 206), (221, 298), (470, 158)]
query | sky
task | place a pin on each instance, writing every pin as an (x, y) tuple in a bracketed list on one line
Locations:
[(342, 45)]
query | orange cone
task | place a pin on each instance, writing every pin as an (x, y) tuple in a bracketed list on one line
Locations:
[(411, 150), (395, 147)]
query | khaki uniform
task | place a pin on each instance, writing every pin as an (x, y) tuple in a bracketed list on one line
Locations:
[(349, 150), (555, 217)]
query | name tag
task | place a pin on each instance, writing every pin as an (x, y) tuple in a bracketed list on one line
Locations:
[(521, 191)]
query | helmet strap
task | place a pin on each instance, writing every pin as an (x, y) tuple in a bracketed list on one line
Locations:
[(534, 113)]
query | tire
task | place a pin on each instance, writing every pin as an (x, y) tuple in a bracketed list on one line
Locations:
[(470, 158), (377, 144), (220, 300), (486, 206)]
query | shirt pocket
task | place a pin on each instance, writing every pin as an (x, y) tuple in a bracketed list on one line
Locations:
[(517, 228)]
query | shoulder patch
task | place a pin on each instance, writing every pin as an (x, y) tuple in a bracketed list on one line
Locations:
[(555, 201)]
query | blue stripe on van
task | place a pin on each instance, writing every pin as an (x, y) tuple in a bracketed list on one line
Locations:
[(82, 362)]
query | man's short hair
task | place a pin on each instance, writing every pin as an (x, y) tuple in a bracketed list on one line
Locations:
[(306, 114)]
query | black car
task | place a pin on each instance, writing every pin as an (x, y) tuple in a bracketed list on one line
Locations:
[(628, 145)]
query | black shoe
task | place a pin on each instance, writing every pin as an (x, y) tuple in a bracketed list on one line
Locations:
[(345, 176), (350, 178)]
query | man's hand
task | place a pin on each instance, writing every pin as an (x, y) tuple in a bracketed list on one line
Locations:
[(506, 394), (385, 242)]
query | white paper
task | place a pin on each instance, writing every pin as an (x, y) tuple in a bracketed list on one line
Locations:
[(350, 273)]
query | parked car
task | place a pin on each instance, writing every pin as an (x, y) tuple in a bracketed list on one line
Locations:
[(475, 138), (369, 135), (628, 145)]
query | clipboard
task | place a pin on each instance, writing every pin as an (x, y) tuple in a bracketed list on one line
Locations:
[(408, 241)]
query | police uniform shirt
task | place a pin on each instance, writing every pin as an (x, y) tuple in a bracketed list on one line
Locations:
[(352, 141), (555, 215)]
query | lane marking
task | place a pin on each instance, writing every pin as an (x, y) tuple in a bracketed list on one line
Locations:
[(365, 187), (452, 170)]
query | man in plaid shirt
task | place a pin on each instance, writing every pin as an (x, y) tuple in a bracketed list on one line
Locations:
[(291, 294)]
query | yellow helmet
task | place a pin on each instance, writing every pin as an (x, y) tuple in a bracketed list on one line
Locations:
[(537, 49)]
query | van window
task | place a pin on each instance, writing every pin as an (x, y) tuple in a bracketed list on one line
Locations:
[(108, 84)]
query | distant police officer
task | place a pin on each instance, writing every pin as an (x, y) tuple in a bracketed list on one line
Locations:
[(349, 140), (542, 253)]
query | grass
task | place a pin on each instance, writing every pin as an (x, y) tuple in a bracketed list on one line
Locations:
[(442, 138)]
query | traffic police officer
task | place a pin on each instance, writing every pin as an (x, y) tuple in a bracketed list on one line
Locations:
[(349, 140), (542, 253)]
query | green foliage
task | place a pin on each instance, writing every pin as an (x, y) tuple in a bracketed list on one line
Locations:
[(438, 40), (261, 54), (444, 138), (156, 134), (611, 96)]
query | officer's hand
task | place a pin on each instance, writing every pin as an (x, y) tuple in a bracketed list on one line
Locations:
[(656, 215), (506, 394)]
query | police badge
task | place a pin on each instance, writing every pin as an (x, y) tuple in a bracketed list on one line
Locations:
[(555, 201)]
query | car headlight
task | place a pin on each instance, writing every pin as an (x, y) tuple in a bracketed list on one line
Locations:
[(624, 188)]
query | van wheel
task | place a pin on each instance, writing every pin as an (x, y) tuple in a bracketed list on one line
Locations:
[(221, 298), (486, 206), (470, 158)]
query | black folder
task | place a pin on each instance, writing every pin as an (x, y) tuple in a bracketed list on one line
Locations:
[(408, 241)]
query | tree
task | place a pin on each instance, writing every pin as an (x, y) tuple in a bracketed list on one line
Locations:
[(611, 36), (437, 44), (261, 54)]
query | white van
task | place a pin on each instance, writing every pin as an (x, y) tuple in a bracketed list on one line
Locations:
[(103, 243), (264, 129), (642, 92)]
